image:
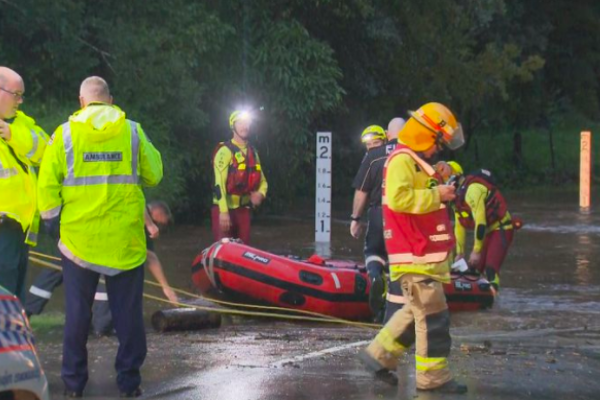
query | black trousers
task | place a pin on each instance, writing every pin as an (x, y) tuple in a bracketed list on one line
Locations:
[(125, 299), (375, 252), (41, 292), (13, 257)]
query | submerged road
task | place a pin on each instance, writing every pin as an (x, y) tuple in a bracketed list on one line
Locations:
[(540, 341), (275, 360)]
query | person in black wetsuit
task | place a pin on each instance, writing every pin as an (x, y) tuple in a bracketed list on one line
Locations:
[(367, 185)]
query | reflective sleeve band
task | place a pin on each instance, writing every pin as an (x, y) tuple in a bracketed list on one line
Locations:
[(376, 259), (101, 296), (32, 237), (44, 294), (408, 258), (431, 364), (389, 342), (6, 173), (71, 180), (34, 147), (52, 213)]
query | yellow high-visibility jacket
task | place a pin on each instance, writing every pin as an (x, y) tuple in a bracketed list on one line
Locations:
[(18, 156), (92, 176), (410, 190), (475, 197), (222, 160)]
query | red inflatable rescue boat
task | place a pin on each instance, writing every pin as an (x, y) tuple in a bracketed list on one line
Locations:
[(468, 292), (336, 288)]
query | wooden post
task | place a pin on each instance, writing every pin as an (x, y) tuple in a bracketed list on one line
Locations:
[(585, 170)]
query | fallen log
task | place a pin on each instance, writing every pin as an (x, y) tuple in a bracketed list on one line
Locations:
[(184, 319)]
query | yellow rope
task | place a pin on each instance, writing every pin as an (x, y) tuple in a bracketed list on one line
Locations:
[(318, 317), (222, 302)]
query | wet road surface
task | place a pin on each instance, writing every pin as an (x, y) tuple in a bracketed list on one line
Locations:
[(540, 341)]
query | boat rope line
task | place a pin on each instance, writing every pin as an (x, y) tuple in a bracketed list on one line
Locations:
[(306, 315)]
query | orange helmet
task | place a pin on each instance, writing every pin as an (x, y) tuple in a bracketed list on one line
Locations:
[(432, 124)]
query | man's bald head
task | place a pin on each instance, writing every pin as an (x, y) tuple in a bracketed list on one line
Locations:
[(11, 95), (94, 89), (7, 74), (394, 127)]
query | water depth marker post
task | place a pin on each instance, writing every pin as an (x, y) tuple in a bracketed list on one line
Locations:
[(585, 170), (323, 192)]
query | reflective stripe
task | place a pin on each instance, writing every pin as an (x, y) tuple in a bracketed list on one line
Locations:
[(431, 364), (101, 269), (32, 237), (71, 180), (135, 148), (336, 280), (44, 294), (407, 258), (428, 169), (101, 180), (6, 173), (378, 259), (34, 147), (396, 299), (52, 213), (68, 144), (101, 296), (389, 342)]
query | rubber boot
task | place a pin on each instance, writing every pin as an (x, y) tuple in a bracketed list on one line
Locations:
[(493, 277), (450, 387), (380, 373), (376, 298)]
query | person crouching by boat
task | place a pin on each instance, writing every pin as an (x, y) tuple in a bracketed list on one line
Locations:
[(367, 185), (239, 182), (480, 206)]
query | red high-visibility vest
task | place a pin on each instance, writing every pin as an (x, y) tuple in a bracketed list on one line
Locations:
[(244, 174), (416, 238), (495, 205)]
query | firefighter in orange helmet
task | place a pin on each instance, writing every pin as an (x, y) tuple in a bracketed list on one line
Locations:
[(419, 240)]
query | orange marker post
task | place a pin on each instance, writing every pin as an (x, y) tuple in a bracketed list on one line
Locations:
[(585, 170)]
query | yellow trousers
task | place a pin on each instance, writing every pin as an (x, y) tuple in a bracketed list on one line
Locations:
[(425, 321)]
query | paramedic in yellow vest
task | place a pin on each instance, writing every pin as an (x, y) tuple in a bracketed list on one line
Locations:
[(91, 186), (419, 239), (22, 145), (239, 181)]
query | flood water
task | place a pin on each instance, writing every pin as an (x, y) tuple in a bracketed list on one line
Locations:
[(550, 278), (544, 328)]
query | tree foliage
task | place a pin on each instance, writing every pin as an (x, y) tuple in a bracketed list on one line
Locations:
[(181, 67)]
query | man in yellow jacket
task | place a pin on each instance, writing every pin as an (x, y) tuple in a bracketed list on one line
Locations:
[(419, 240), (22, 145), (239, 182), (91, 184)]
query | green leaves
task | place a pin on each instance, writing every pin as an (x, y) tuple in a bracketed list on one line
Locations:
[(181, 67)]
